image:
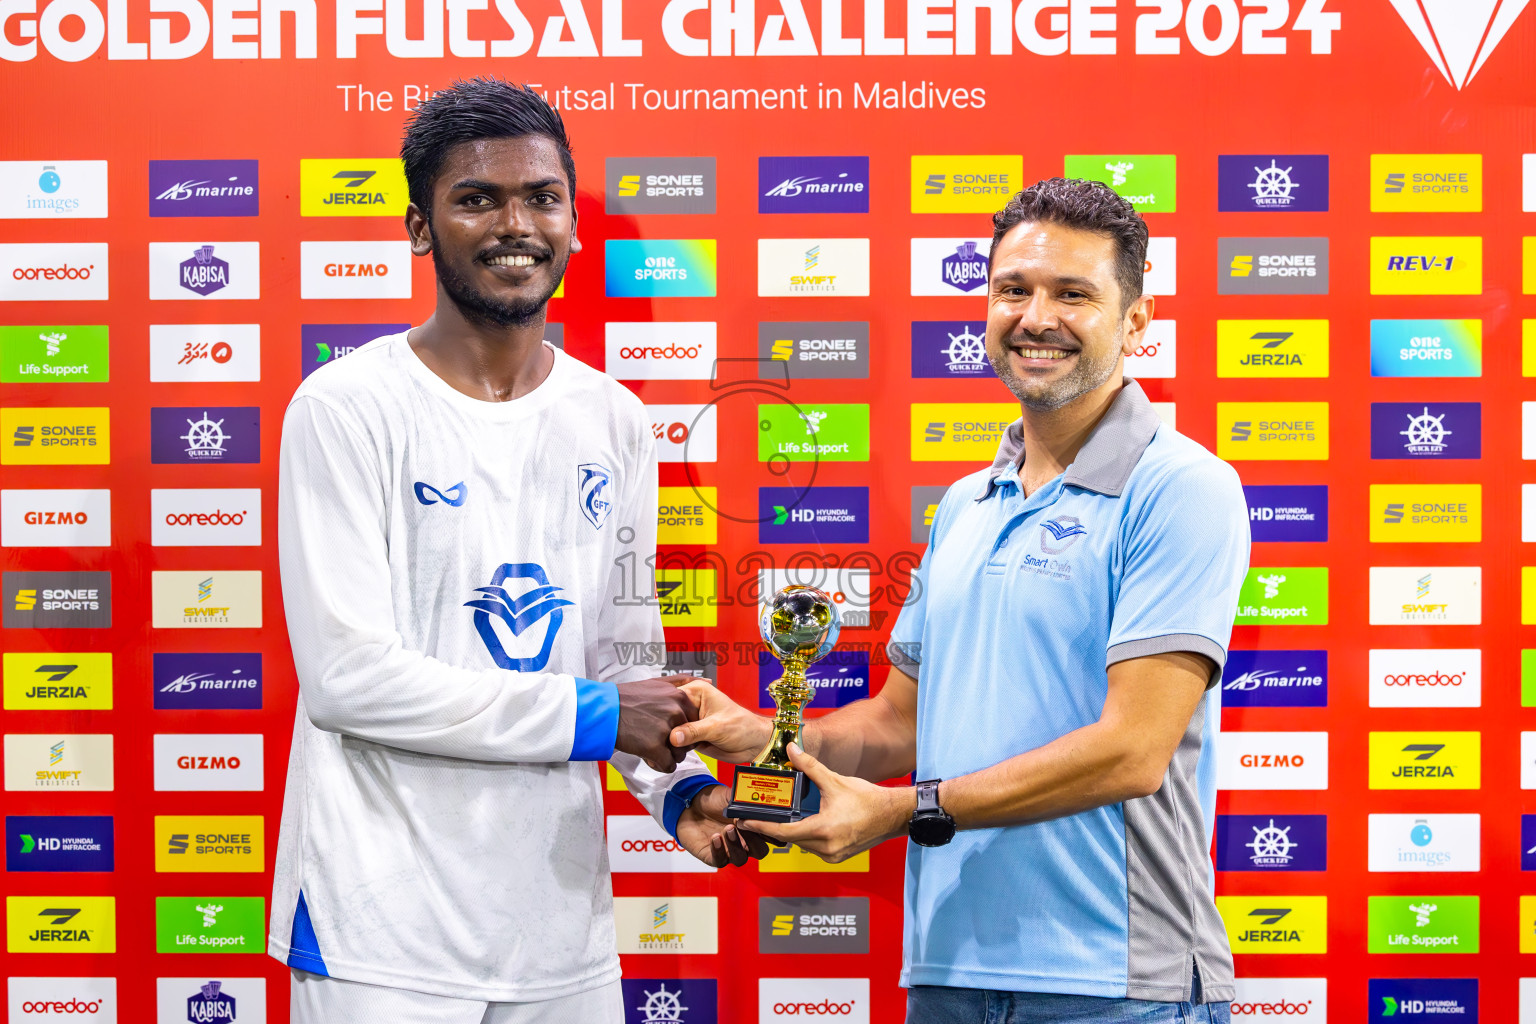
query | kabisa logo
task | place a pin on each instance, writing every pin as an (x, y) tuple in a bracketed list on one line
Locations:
[(1426, 348), (670, 1001), (1059, 534), (210, 1006), (1272, 266), (593, 493), (205, 434), (1458, 37), (53, 354), (210, 270), (659, 185), (203, 188), (1272, 842), (1146, 181), (812, 349), (453, 497), (950, 348), (812, 184), (207, 681), (1412, 1000), (966, 269), (1294, 679), (1528, 842), (1426, 430), (1275, 924), (1287, 512), (1272, 183), (57, 189), (949, 266), (1424, 842), (1425, 760), (352, 188), (64, 843), (325, 343), (518, 614), (204, 273)]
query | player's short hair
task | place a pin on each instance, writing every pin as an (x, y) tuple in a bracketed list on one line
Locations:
[(1088, 206), (480, 108)]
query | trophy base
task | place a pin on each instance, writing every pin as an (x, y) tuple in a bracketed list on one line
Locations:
[(772, 794)]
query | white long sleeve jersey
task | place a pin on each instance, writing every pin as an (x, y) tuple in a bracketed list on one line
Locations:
[(457, 577)]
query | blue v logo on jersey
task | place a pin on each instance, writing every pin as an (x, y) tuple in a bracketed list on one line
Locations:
[(592, 492), (1063, 531), (518, 613), (429, 495)]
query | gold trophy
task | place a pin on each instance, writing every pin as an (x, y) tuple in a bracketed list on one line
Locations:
[(799, 625)]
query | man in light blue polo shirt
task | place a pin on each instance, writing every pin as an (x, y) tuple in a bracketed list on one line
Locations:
[(1066, 625)]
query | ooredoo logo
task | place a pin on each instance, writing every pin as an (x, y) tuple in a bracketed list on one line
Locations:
[(205, 517), (661, 351), (40, 272), (355, 270), (797, 999), (1268, 999), (1157, 355), (1426, 678), (50, 1000), (637, 843)]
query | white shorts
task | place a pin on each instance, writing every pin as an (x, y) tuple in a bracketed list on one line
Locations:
[(320, 1000)]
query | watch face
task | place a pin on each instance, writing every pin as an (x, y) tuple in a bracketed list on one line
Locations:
[(931, 830)]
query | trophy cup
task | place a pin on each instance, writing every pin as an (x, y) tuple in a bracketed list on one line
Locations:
[(799, 625)]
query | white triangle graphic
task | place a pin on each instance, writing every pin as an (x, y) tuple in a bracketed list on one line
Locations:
[(1459, 35)]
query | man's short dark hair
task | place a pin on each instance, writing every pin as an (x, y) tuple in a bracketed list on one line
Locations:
[(1088, 206), (481, 108)]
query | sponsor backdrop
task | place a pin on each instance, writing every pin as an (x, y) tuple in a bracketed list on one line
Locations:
[(784, 214)]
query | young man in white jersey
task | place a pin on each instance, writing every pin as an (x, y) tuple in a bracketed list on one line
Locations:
[(459, 505)]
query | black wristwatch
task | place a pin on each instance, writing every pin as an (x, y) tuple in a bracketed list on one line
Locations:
[(930, 826)]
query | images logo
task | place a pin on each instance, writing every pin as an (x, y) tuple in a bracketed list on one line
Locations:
[(1426, 182), (56, 600), (959, 431), (840, 678), (1272, 266), (830, 433), (355, 270), (1435, 678), (659, 268), (949, 266), (950, 349), (1457, 41), (1291, 596), (65, 843), (1271, 348), (812, 184), (223, 762), (1278, 842), (1422, 430), (813, 925), (686, 515), (660, 185), (222, 924), (535, 601), (813, 515), (204, 188), (812, 266), (670, 1001), (1272, 183), (1409, 1000), (35, 518), (1297, 513), (1275, 924), (203, 600), (1424, 842), (210, 270), (326, 343), (47, 681), (1422, 924), (1412, 595), (55, 437), (1286, 679), (1272, 430), (1426, 265), (651, 350), (964, 184), (209, 843), (1272, 760), (53, 355), (35, 272), (207, 681), (205, 434), (1427, 513), (61, 924), (58, 189), (1425, 760), (684, 433), (815, 349), (1148, 182), (672, 924), (352, 188)]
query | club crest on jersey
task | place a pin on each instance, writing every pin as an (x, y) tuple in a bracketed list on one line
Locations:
[(1062, 531), (518, 613), (429, 495), (592, 493)]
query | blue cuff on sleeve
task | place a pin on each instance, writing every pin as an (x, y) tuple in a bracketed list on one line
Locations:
[(597, 720), (679, 797)]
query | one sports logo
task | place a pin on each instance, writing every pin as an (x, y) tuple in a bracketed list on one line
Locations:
[(456, 495), (518, 613)]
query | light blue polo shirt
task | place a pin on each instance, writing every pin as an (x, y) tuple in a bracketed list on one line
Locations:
[(1019, 607)]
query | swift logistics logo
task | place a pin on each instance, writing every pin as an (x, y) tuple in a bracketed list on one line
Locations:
[(60, 924), (1455, 39), (1148, 182), (38, 518), (687, 515), (1287, 512), (670, 1000), (1271, 842), (369, 187), (1426, 760), (211, 762), (58, 681), (1426, 513), (41, 272), (205, 270), (320, 344), (53, 354), (812, 266), (660, 268), (1426, 182), (1284, 679), (949, 266), (1272, 266), (1413, 1000), (959, 431), (1293, 595), (206, 599), (1447, 595), (813, 515), (951, 349), (816, 349), (204, 435), (964, 184), (667, 924), (1272, 183), (204, 188), (1275, 924), (209, 843), (1426, 348), (840, 678), (1272, 760), (63, 436), (81, 762), (810, 433), (204, 353), (660, 350), (52, 189), (1426, 430), (207, 681), (634, 185), (1430, 678), (1271, 348), (1422, 924), (813, 184), (210, 924), (812, 924), (1272, 430), (363, 269), (76, 842), (1423, 842), (56, 600), (1426, 265)]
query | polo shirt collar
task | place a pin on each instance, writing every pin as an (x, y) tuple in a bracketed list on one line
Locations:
[(1105, 461)]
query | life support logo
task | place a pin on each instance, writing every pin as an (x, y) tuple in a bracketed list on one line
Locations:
[(1062, 532), (592, 493), (454, 497), (518, 613)]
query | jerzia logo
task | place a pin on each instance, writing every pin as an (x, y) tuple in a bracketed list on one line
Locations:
[(592, 492), (518, 613), (455, 496)]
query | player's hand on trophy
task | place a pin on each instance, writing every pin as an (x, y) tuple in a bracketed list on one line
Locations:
[(649, 709), (724, 729), (705, 832)]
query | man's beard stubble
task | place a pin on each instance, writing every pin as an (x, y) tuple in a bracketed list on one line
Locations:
[(1086, 375), (481, 309)]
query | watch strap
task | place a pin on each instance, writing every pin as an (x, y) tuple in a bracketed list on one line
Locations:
[(928, 797)]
